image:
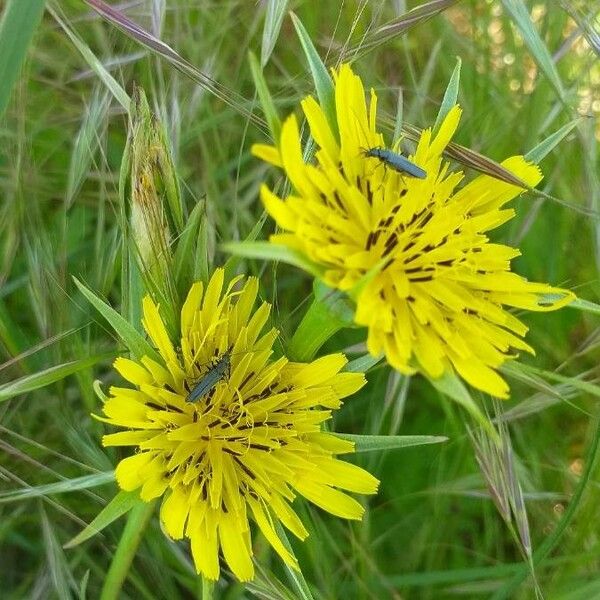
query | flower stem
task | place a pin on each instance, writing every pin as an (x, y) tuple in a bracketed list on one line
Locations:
[(128, 544), (208, 587), (325, 316)]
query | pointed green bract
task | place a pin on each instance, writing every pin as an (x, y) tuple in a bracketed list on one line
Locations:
[(450, 97), (265, 97), (321, 78), (43, 378), (122, 503), (372, 443), (133, 340)]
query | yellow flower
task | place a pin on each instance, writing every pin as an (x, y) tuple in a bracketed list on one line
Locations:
[(414, 253), (247, 446)]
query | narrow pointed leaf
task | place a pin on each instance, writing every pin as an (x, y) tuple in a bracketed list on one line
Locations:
[(372, 443), (133, 340), (320, 75), (20, 20), (122, 503), (450, 96), (43, 378), (60, 487)]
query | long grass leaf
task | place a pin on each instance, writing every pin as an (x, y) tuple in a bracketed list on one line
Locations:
[(372, 443), (398, 26), (450, 96), (273, 21), (95, 64), (150, 41), (268, 251), (19, 22), (122, 503), (265, 98), (133, 340), (28, 383), (520, 16), (541, 150), (86, 143), (452, 387), (320, 75), (60, 487)]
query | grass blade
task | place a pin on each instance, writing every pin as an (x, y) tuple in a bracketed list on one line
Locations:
[(139, 34), (60, 487), (19, 22), (372, 443), (541, 150), (122, 503), (541, 54), (268, 251), (132, 339), (450, 96), (265, 97), (273, 21), (109, 81), (398, 26), (43, 378), (321, 78)]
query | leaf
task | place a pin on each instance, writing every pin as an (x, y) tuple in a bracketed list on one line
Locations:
[(265, 98), (86, 143), (363, 363), (43, 378), (273, 20), (122, 503), (397, 27), (139, 34), (296, 577), (372, 443), (536, 154), (109, 81), (520, 15), (518, 370), (185, 254), (20, 19), (585, 306), (450, 96), (450, 385), (321, 78), (60, 487), (329, 312), (268, 251), (132, 339)]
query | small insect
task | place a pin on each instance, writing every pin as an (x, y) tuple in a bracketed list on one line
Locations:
[(210, 380), (396, 161)]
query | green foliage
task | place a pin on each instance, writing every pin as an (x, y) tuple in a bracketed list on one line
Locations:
[(528, 84)]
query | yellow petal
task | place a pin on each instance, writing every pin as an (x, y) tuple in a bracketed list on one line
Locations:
[(329, 499), (174, 512), (233, 544), (132, 371), (267, 153), (131, 471)]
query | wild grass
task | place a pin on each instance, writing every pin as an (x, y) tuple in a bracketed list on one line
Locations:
[(510, 515)]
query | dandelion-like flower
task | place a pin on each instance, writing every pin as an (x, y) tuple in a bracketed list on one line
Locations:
[(428, 283), (247, 446)]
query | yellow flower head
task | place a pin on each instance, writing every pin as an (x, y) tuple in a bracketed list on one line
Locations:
[(415, 254), (246, 446)]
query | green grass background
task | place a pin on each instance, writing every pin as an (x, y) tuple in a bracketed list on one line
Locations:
[(528, 69)]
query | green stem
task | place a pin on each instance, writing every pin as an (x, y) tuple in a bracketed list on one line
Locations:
[(128, 544), (325, 317), (208, 587), (552, 540)]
